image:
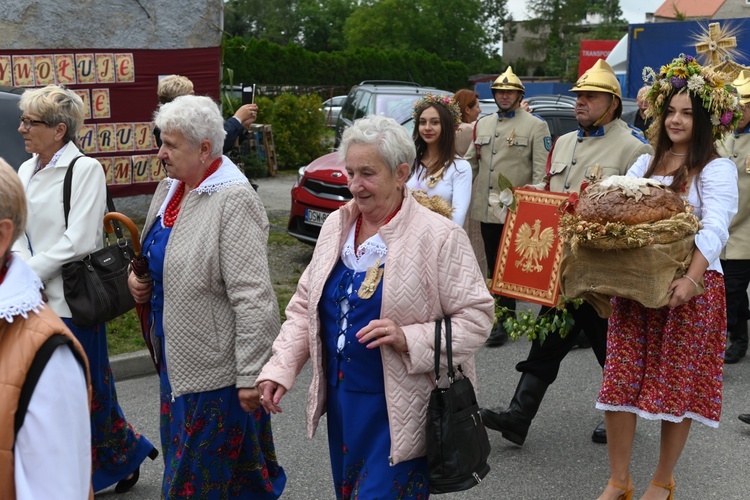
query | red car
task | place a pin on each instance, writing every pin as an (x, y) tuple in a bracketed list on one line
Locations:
[(320, 189)]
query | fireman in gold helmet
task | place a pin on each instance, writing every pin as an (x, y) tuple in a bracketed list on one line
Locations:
[(603, 145), (599, 96), (509, 149), (735, 258)]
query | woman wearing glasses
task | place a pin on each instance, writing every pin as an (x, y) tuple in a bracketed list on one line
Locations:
[(51, 118)]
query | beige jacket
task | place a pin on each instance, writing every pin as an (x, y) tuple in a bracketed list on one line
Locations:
[(612, 150), (220, 310), (737, 149), (431, 272), (515, 146)]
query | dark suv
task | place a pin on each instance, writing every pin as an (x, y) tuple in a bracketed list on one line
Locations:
[(381, 97)]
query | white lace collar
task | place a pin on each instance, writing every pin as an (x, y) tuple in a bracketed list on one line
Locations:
[(228, 174), (20, 291), (371, 250)]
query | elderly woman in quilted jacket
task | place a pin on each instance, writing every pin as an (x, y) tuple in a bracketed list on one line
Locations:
[(214, 312), (383, 270)]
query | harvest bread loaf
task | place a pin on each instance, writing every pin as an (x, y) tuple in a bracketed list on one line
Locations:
[(628, 200)]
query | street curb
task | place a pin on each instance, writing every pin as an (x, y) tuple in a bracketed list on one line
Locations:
[(132, 365)]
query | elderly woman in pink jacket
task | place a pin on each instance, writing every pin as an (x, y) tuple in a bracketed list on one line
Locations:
[(384, 269)]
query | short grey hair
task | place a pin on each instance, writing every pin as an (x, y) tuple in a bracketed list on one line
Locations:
[(197, 118), (12, 199), (394, 144), (55, 104)]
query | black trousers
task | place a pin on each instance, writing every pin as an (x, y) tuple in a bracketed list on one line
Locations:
[(736, 281), (491, 236), (544, 359)]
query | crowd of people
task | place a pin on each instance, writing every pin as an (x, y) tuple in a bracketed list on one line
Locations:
[(385, 268)]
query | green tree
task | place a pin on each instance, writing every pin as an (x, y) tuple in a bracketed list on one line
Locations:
[(322, 27), (277, 21)]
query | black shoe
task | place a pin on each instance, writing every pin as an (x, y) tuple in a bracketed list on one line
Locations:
[(600, 433), (514, 422), (745, 417), (498, 336), (734, 353), (127, 483)]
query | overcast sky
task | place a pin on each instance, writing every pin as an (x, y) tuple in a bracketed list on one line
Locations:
[(633, 10)]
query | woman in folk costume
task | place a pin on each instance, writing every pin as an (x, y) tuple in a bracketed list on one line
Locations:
[(666, 364)]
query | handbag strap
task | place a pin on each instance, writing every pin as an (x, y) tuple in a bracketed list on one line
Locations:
[(448, 349), (67, 188)]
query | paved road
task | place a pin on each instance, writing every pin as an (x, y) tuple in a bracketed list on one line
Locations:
[(558, 461)]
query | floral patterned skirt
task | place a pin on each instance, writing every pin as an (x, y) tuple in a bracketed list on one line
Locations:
[(116, 450), (360, 444), (667, 364), (213, 449)]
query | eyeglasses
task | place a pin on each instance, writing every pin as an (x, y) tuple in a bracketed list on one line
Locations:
[(28, 122)]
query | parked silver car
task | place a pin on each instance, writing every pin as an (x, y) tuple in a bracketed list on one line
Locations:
[(332, 109)]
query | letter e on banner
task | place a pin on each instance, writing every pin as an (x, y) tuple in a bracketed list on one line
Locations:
[(143, 137), (6, 71), (157, 169), (87, 139), (106, 135), (44, 69), (23, 71), (86, 98), (125, 68), (124, 135), (100, 103), (107, 166), (85, 68), (141, 168), (65, 69), (123, 170), (105, 68)]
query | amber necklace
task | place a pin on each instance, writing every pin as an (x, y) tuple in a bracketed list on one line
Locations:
[(173, 208)]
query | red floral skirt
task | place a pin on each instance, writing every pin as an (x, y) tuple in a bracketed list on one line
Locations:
[(667, 363)]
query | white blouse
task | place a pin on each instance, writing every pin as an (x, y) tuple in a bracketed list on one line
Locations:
[(454, 187), (714, 197)]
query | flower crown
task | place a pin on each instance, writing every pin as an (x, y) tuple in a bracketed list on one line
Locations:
[(719, 98), (448, 102)]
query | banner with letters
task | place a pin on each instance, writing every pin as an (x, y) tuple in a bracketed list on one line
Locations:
[(118, 88)]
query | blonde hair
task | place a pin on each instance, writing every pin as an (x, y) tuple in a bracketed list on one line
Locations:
[(55, 104), (12, 199), (173, 86)]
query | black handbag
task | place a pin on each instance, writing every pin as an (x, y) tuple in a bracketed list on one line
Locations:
[(457, 442), (96, 287)]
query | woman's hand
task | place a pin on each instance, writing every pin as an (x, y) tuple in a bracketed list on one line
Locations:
[(270, 396), (249, 399), (682, 290), (141, 291), (383, 332)]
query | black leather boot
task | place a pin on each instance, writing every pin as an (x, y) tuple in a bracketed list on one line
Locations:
[(497, 337), (738, 343), (514, 422)]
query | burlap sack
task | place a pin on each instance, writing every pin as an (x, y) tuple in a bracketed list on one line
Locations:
[(641, 274)]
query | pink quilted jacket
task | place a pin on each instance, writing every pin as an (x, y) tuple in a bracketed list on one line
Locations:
[(431, 272)]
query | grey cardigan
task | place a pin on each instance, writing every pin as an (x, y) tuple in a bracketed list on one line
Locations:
[(220, 310)]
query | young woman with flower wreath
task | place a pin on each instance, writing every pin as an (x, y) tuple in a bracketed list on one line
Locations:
[(438, 171), (666, 364)]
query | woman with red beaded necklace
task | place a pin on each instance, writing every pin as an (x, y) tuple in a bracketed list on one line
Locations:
[(214, 312), (384, 269)]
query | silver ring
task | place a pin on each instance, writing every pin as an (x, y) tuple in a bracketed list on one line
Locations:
[(261, 398), (386, 330)]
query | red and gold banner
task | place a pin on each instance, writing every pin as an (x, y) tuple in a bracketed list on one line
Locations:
[(118, 88), (528, 260)]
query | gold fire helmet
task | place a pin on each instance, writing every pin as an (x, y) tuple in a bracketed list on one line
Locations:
[(742, 83), (599, 78), (508, 81)]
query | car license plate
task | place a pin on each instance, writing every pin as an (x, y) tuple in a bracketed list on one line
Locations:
[(315, 217)]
